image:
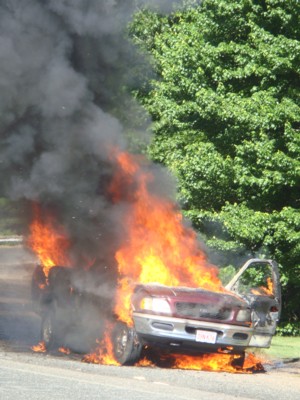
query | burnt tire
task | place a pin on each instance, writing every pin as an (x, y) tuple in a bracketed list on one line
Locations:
[(126, 346), (49, 331)]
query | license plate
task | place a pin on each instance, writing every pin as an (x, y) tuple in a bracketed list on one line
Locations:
[(206, 336)]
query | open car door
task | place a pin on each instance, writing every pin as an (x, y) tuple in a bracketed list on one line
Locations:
[(258, 283)]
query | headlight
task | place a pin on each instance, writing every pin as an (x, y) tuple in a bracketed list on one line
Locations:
[(244, 316), (155, 304)]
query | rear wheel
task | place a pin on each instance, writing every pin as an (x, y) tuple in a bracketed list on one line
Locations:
[(126, 346), (49, 331)]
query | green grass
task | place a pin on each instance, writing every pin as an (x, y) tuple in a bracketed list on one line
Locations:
[(283, 347)]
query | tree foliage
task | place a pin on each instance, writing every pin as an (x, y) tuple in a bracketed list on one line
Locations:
[(11, 218), (226, 108)]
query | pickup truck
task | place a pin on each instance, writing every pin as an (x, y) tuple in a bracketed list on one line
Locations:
[(179, 319)]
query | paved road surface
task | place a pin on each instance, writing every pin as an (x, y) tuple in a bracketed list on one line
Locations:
[(37, 376)]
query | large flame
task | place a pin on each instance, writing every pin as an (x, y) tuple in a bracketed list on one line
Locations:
[(48, 240), (221, 361), (104, 351), (159, 247), (218, 362)]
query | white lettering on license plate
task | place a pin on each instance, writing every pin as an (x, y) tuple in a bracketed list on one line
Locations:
[(206, 336)]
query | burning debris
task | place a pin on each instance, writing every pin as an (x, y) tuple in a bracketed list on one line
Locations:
[(39, 348), (203, 362), (64, 350), (220, 363)]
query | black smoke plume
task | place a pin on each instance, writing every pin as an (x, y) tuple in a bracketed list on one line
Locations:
[(62, 66)]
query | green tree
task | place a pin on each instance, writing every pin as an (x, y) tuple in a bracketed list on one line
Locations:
[(11, 218), (226, 108)]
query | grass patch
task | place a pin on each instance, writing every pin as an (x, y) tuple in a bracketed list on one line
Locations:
[(283, 347)]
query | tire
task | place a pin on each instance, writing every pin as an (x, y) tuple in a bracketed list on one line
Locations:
[(49, 331), (126, 346)]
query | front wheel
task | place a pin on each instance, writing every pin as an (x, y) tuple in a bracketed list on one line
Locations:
[(126, 346)]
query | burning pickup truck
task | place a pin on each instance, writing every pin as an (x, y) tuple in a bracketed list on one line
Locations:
[(179, 319)]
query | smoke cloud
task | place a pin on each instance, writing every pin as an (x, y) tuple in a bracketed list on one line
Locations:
[(62, 64)]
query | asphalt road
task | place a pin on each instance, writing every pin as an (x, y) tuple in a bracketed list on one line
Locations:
[(28, 375), (24, 375)]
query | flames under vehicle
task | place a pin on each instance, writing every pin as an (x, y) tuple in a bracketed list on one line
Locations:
[(176, 319)]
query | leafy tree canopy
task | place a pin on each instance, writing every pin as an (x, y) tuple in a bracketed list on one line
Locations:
[(226, 108)]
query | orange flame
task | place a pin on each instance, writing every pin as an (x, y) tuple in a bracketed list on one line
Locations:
[(64, 350), (39, 348), (254, 363), (159, 246), (218, 362), (264, 290), (224, 362), (206, 362), (48, 240), (144, 362), (104, 352)]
